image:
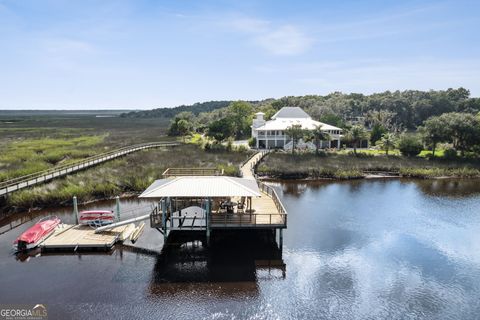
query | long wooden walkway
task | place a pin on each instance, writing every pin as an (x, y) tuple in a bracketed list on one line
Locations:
[(22, 182), (247, 168), (269, 210)]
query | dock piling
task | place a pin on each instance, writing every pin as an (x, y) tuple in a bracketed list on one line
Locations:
[(281, 239), (117, 208), (75, 209)]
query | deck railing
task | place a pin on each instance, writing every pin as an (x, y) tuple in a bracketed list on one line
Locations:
[(273, 194), (255, 220), (176, 172), (59, 171)]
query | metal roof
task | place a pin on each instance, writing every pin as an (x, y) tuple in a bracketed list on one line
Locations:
[(291, 112), (284, 123), (202, 186)]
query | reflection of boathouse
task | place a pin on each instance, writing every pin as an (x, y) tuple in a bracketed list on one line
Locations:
[(203, 201)]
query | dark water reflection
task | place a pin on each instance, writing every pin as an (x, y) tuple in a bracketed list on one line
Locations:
[(373, 249)]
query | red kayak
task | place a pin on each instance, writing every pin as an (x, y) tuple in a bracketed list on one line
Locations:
[(96, 217), (36, 234)]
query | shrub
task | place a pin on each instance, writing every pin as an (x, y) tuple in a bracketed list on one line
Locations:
[(229, 146), (241, 148), (207, 146), (252, 142), (409, 146), (450, 153)]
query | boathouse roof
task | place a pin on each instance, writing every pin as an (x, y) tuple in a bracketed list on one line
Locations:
[(202, 186)]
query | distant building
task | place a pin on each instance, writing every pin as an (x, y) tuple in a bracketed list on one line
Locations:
[(271, 134)]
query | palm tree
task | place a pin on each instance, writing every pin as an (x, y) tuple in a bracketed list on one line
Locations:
[(318, 136), (388, 141), (356, 134), (295, 132)]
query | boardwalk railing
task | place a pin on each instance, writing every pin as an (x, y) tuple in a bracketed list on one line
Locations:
[(254, 164), (46, 175), (177, 172)]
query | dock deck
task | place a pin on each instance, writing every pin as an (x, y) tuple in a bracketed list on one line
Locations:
[(74, 237)]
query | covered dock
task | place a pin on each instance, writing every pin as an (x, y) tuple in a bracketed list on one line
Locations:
[(214, 202)]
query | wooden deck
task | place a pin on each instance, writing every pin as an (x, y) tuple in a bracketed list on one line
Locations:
[(73, 237), (265, 214), (268, 211)]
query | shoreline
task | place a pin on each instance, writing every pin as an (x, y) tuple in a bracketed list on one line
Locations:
[(379, 175)]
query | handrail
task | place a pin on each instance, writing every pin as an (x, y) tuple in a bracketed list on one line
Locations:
[(45, 175), (171, 172), (253, 165), (273, 194), (246, 160), (246, 219)]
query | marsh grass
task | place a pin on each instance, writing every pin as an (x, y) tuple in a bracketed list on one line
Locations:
[(345, 166), (130, 174), (26, 156)]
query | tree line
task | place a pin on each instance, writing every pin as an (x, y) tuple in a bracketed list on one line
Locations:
[(397, 110), (409, 120)]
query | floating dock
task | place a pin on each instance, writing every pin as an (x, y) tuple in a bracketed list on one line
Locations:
[(79, 237)]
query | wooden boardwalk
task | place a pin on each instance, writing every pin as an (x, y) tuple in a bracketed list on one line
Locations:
[(268, 210), (247, 168), (77, 237), (19, 183)]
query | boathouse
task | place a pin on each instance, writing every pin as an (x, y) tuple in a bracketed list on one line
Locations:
[(205, 202)]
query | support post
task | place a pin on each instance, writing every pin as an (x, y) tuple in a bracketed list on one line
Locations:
[(75, 209), (117, 208), (207, 220), (281, 240), (164, 217)]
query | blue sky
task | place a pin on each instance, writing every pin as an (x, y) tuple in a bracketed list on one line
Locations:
[(146, 54)]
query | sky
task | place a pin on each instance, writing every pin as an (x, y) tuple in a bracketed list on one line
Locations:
[(144, 54)]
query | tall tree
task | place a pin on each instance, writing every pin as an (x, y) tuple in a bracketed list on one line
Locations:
[(434, 131), (295, 132), (356, 134), (318, 136), (241, 115), (377, 132), (183, 127), (221, 129), (388, 141), (464, 129)]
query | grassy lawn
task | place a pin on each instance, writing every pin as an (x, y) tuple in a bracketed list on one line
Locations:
[(347, 166), (130, 174)]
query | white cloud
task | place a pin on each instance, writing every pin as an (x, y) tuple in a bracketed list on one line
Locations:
[(286, 40), (250, 25), (278, 40)]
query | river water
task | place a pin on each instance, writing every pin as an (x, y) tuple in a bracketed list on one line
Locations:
[(369, 249)]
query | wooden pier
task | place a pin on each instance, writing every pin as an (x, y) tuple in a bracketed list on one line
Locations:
[(79, 237), (194, 200)]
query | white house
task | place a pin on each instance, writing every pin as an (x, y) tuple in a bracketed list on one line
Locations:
[(271, 134)]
